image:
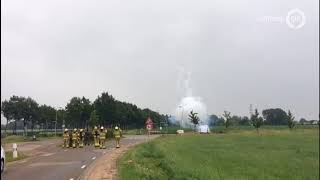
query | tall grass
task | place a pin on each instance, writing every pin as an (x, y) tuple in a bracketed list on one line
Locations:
[(275, 153)]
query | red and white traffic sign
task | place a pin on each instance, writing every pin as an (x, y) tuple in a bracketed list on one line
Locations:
[(149, 124)]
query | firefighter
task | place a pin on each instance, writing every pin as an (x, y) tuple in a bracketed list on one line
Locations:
[(70, 138), (81, 137), (87, 137), (65, 139), (117, 135), (96, 137), (74, 138), (102, 138)]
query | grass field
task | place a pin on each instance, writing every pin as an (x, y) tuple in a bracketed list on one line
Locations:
[(16, 139), (238, 155), (9, 157)]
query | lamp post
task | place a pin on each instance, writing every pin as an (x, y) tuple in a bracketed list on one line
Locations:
[(181, 116)]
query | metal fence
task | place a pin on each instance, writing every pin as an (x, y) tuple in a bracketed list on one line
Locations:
[(29, 131)]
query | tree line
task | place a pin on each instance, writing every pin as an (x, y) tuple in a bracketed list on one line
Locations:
[(79, 112), (271, 116)]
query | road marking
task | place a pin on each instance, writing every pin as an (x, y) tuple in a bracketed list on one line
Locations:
[(52, 163), (93, 158), (48, 154), (66, 150), (71, 178), (83, 166)]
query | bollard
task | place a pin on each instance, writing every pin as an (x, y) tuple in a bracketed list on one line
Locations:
[(15, 150)]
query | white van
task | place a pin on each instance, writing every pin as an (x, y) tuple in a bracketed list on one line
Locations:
[(204, 129)]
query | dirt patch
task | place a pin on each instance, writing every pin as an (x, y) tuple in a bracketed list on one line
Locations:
[(106, 166)]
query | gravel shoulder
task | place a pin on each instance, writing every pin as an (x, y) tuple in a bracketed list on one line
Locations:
[(106, 166)]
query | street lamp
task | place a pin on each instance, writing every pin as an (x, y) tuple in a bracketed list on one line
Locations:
[(181, 116)]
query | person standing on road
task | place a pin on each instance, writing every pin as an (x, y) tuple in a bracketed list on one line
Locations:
[(81, 138), (74, 138), (65, 139), (102, 138), (117, 136), (86, 137), (96, 137), (70, 138)]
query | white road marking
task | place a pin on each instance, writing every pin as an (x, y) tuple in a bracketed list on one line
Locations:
[(66, 150), (52, 163), (83, 166), (93, 157), (71, 178), (48, 154)]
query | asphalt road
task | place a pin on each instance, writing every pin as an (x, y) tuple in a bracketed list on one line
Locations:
[(50, 162)]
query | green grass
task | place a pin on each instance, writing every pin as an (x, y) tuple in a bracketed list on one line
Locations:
[(169, 130), (16, 139), (12, 139), (9, 157), (240, 155)]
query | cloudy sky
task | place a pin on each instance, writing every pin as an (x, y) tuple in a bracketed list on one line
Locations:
[(236, 52)]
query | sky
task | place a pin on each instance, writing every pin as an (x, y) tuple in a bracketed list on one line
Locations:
[(236, 53)]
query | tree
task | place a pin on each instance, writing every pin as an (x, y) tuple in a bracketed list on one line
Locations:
[(29, 113), (105, 107), (227, 116), (193, 117), (61, 114), (94, 118), (244, 121), (21, 108), (13, 110), (290, 119), (78, 112), (235, 120), (7, 111), (86, 109), (47, 115), (256, 120), (213, 119), (275, 116), (303, 121)]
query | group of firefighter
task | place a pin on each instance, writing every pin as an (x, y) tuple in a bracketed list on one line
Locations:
[(79, 138)]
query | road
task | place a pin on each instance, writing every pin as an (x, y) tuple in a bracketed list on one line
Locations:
[(50, 162)]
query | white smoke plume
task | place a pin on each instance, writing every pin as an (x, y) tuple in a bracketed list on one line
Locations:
[(188, 103)]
